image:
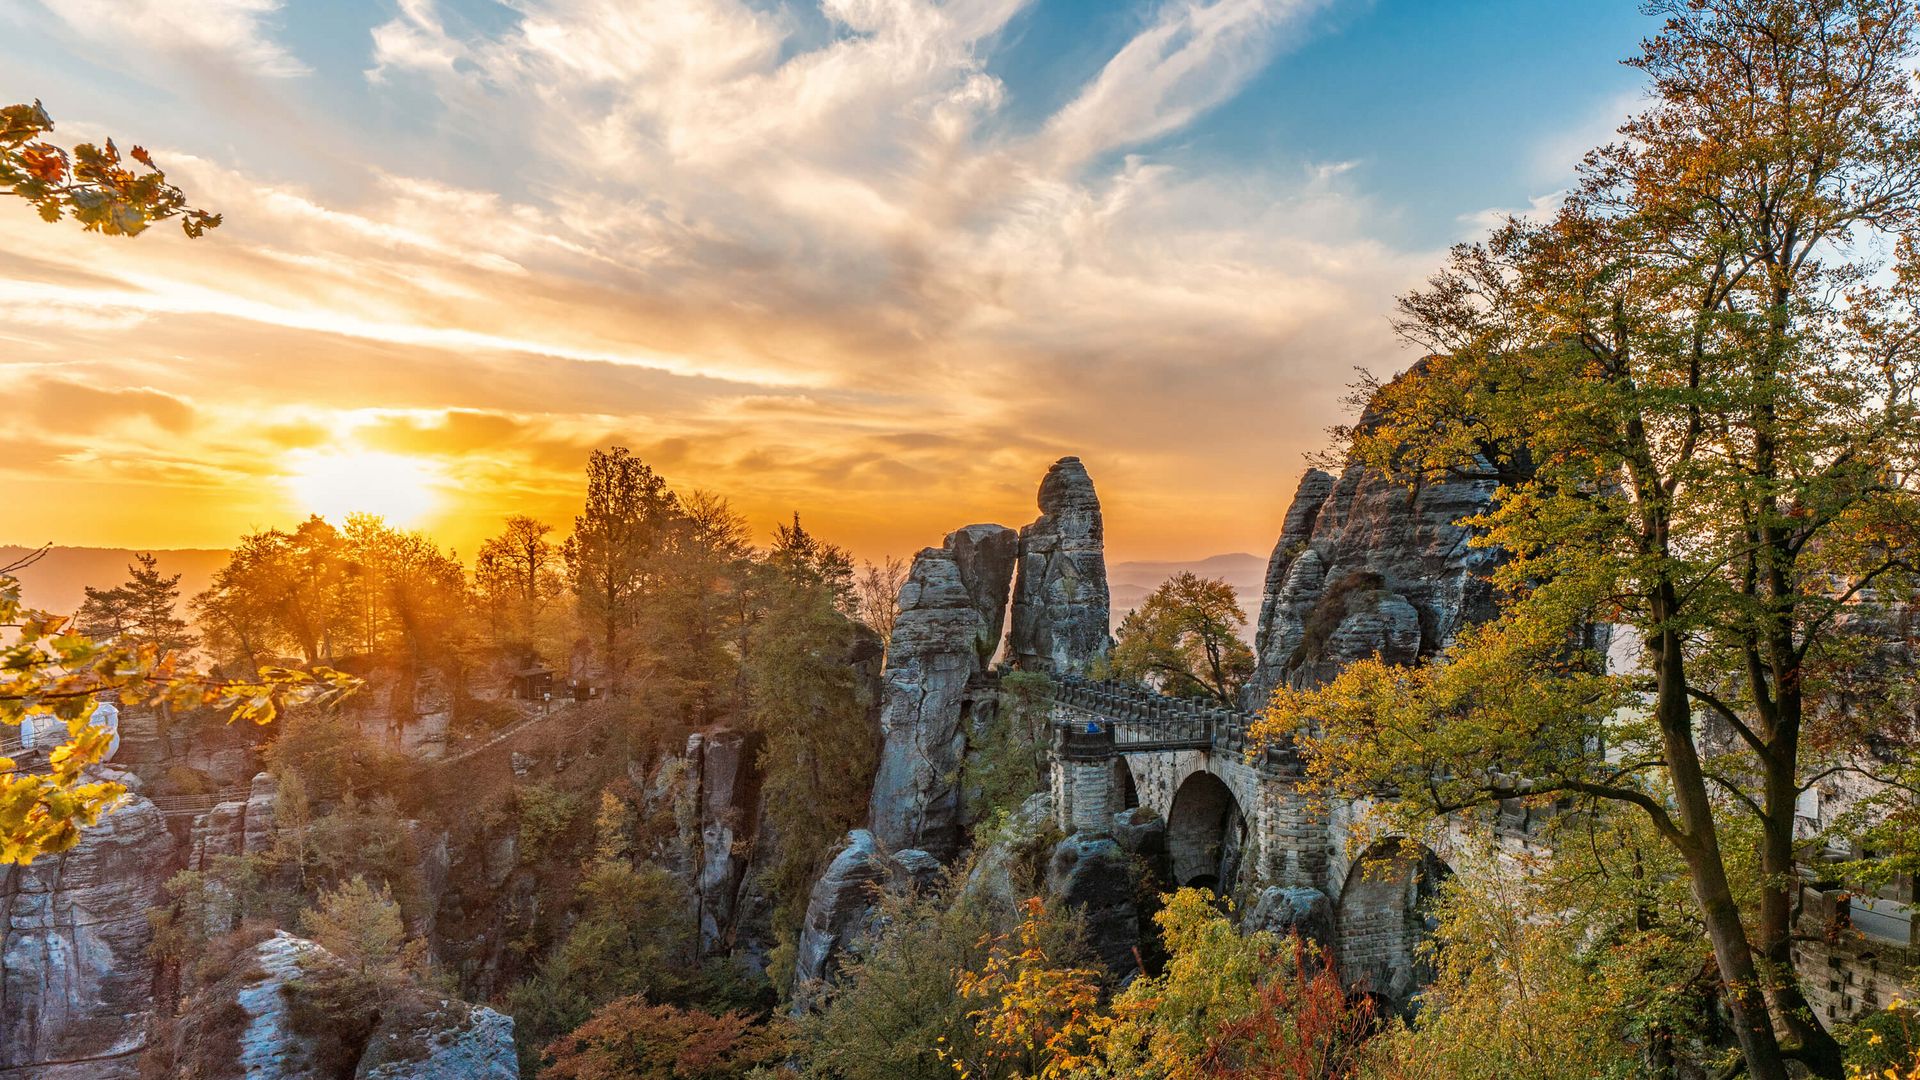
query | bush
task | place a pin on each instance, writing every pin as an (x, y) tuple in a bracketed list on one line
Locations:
[(546, 815), (629, 1039)]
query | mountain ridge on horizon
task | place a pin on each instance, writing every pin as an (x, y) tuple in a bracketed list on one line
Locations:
[(57, 581)]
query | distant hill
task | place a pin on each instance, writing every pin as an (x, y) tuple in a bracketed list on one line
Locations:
[(57, 582), (1130, 582)]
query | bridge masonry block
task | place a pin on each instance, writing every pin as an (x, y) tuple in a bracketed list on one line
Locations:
[(1294, 834), (1094, 802), (1082, 775)]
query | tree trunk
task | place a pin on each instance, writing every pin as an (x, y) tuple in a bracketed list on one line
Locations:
[(1700, 847)]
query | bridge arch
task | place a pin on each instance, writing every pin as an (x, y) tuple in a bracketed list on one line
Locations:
[(1385, 916), (1206, 832)]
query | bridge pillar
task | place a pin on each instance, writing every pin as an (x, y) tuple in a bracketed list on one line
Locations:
[(1084, 798)]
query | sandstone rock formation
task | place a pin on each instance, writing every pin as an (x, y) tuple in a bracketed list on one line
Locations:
[(415, 1036), (1366, 565), (838, 912), (951, 611), (1096, 876), (1305, 912), (1060, 599), (726, 790), (75, 984)]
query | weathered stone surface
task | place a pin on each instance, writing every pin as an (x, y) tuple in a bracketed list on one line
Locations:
[(1366, 566), (75, 983), (951, 610), (441, 1039), (1143, 835), (913, 871), (726, 790), (1060, 598), (419, 1036), (1013, 866), (1096, 876), (1305, 912), (838, 913)]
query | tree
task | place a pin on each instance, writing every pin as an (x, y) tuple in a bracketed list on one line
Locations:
[(1230, 1004), (628, 512), (405, 596), (138, 612), (635, 936), (1042, 1015), (279, 590), (1185, 639), (877, 593), (703, 604), (807, 700), (807, 560), (361, 925), (516, 577), (629, 1039), (1695, 387), (92, 183)]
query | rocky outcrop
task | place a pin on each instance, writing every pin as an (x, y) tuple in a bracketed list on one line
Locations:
[(726, 790), (1060, 599), (236, 826), (1366, 565), (951, 611), (838, 913), (1302, 912), (411, 1034), (1095, 876), (75, 983)]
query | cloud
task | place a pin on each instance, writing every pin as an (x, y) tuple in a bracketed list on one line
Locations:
[(233, 31), (806, 256), (85, 408)]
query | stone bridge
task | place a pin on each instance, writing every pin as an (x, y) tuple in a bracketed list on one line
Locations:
[(1240, 821)]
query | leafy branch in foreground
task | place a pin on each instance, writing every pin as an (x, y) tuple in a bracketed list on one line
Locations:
[(93, 183), (49, 669)]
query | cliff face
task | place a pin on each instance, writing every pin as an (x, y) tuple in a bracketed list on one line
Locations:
[(1060, 599), (951, 611), (271, 1017), (1365, 565), (76, 986)]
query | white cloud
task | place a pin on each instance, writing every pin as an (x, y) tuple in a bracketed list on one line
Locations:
[(235, 31), (841, 204)]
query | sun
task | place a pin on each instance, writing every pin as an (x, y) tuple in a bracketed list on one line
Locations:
[(336, 484)]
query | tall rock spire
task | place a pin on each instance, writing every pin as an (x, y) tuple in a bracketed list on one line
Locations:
[(951, 610), (1060, 601)]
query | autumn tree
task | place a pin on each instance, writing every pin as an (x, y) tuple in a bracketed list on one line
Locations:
[(1695, 388), (1040, 1015), (140, 611), (279, 590), (629, 1039), (627, 515), (877, 594), (1185, 640), (517, 578), (403, 596)]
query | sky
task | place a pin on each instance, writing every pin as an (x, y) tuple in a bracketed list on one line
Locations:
[(878, 262)]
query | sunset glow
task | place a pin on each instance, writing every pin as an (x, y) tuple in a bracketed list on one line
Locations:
[(876, 263), (335, 485)]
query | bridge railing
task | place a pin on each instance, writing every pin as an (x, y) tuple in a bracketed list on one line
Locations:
[(1143, 721)]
